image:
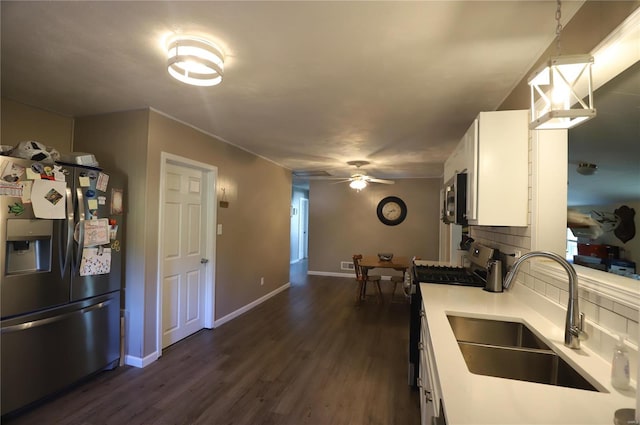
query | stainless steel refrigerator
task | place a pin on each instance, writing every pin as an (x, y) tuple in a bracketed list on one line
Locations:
[(61, 250)]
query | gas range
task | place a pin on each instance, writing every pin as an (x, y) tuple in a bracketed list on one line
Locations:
[(473, 275), (447, 275)]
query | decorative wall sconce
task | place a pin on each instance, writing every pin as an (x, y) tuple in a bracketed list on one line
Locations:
[(223, 201)]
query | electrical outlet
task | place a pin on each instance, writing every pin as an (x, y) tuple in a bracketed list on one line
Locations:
[(261, 281)]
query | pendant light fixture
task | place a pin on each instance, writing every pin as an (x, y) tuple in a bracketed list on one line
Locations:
[(195, 61), (555, 89)]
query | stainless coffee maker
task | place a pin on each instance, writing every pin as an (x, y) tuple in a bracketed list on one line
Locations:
[(494, 276)]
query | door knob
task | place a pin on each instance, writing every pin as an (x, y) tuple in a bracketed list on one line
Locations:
[(204, 260)]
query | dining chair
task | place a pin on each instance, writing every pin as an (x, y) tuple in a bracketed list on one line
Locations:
[(395, 279), (362, 277), (400, 279)]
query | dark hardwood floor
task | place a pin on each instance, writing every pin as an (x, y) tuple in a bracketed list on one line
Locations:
[(309, 355)]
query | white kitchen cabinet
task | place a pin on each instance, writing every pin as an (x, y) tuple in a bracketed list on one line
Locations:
[(428, 382), (496, 151), (457, 162)]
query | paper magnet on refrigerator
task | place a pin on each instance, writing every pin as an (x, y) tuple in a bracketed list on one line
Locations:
[(116, 201)]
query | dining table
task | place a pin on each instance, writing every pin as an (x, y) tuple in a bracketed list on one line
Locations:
[(369, 262), (374, 262)]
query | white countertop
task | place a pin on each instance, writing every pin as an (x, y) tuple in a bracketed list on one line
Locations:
[(476, 399)]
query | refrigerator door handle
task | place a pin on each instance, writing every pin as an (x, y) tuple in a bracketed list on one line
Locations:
[(48, 320), (81, 218), (66, 253)]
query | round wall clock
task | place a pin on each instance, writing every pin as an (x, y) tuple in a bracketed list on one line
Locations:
[(392, 210)]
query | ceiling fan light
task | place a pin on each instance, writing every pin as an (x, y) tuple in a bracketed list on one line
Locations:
[(195, 61), (358, 184)]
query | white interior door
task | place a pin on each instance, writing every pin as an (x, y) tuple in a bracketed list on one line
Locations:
[(304, 228), (183, 253)]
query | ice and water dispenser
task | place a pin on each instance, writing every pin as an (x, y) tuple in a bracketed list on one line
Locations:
[(28, 246)]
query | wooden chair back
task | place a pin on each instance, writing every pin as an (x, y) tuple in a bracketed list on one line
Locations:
[(357, 268)]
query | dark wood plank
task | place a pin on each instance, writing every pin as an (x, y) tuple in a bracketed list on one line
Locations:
[(309, 355)]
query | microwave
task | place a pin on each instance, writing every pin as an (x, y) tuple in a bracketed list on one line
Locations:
[(455, 200)]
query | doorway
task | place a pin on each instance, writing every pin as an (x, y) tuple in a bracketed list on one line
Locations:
[(299, 224), (304, 229), (186, 249)]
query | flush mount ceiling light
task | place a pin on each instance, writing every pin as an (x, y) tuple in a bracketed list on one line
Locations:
[(195, 61), (587, 169), (555, 99)]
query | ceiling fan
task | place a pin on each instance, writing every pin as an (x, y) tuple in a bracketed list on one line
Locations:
[(359, 180)]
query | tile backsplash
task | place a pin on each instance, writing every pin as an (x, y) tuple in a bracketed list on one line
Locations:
[(607, 316)]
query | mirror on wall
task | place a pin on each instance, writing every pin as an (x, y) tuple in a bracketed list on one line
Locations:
[(604, 180)]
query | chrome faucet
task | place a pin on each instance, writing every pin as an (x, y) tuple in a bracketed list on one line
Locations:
[(574, 325)]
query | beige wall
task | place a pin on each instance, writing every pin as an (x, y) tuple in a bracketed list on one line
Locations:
[(22, 122), (343, 222), (119, 142), (255, 239)]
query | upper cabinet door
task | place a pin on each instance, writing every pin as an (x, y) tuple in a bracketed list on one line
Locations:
[(495, 152)]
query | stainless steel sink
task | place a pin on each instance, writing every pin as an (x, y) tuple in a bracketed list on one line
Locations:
[(511, 350), (494, 332), (541, 366)]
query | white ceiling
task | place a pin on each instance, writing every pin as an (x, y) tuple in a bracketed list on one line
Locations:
[(308, 85)]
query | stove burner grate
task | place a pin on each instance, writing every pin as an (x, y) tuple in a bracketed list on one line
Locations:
[(447, 275)]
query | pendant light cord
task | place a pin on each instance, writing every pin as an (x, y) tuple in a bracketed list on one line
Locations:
[(558, 26)]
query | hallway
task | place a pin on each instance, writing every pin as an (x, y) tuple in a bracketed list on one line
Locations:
[(309, 355)]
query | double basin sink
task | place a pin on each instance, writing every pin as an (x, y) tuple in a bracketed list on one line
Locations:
[(511, 350)]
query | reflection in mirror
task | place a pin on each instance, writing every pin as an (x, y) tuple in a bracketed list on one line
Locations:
[(604, 180)]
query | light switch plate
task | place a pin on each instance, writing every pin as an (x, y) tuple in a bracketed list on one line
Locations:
[(219, 229)]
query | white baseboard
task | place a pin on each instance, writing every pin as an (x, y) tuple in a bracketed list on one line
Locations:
[(335, 274), (249, 306), (140, 361)]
